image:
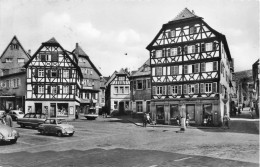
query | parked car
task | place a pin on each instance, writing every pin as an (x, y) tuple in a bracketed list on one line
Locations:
[(15, 114), (8, 134), (31, 119), (56, 126)]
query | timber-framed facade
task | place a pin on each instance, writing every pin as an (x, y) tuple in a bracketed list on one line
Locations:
[(191, 70), (53, 81)]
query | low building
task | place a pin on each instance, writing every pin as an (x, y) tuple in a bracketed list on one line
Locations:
[(118, 92), (53, 81), (141, 89), (256, 90), (13, 76)]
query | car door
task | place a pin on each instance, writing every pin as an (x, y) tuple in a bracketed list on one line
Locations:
[(53, 126), (46, 126)]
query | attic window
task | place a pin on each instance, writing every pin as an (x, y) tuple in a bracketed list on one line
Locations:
[(20, 60), (14, 47), (8, 60)]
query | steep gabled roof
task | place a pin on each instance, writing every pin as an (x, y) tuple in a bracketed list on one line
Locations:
[(53, 42), (141, 71), (185, 14), (15, 38), (80, 52)]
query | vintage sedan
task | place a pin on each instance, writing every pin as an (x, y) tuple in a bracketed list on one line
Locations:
[(31, 119), (8, 134), (56, 126)]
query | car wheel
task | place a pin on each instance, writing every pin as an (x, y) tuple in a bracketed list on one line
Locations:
[(71, 134), (22, 125), (42, 132), (13, 141), (59, 134)]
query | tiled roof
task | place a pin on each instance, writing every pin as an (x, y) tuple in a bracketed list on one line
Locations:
[(80, 51), (122, 71), (142, 71), (243, 74), (184, 14)]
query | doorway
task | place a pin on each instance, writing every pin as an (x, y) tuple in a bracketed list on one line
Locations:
[(38, 108), (121, 107), (53, 110), (190, 109)]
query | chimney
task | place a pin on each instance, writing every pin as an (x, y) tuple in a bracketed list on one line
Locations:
[(29, 52)]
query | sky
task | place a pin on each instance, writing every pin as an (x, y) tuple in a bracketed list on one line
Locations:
[(108, 29)]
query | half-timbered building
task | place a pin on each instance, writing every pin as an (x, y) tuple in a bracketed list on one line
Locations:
[(53, 81), (141, 89), (191, 69), (118, 92), (91, 82), (13, 76)]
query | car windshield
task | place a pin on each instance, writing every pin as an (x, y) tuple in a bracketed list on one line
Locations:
[(20, 112)]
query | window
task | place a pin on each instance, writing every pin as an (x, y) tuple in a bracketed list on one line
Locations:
[(54, 89), (174, 112), (158, 71), (122, 90), (185, 69), (8, 83), (65, 73), (209, 46), (53, 73), (148, 83), (208, 87), (65, 89), (115, 104), (40, 89), (139, 106), (127, 90), (44, 57), (159, 90), (215, 66), (158, 53), (18, 82), (121, 78), (116, 89), (175, 89), (191, 49), (91, 72), (174, 70), (171, 33), (8, 60), (191, 89), (193, 30), (14, 46), (40, 73), (139, 84), (174, 51), (20, 60), (203, 47)]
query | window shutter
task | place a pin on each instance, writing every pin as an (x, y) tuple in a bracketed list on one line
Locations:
[(58, 72), (179, 89), (169, 52), (176, 70), (164, 88), (185, 69), (154, 90), (202, 89), (58, 90), (134, 86), (172, 70), (203, 67), (185, 49), (179, 51), (70, 73), (169, 34), (163, 53), (203, 47), (169, 89), (36, 73), (49, 89), (196, 48), (214, 46), (144, 84), (36, 89), (214, 87), (70, 89), (215, 66), (49, 73), (196, 88), (153, 54), (185, 89), (196, 67), (54, 56)]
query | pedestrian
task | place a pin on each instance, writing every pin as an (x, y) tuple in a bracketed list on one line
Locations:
[(226, 120), (144, 120), (187, 119), (8, 119)]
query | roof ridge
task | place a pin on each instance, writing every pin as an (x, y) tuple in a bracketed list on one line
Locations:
[(184, 14)]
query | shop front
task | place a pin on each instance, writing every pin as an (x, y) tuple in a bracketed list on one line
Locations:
[(53, 109)]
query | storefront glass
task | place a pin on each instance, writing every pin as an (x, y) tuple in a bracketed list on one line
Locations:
[(160, 112)]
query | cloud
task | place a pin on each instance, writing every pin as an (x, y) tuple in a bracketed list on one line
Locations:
[(128, 36), (87, 30)]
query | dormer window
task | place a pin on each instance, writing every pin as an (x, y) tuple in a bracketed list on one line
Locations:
[(8, 60)]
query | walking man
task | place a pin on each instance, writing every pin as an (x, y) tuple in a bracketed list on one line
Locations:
[(226, 120), (8, 119)]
